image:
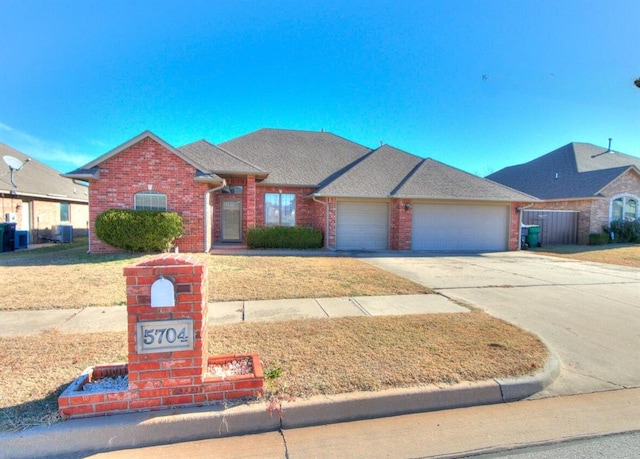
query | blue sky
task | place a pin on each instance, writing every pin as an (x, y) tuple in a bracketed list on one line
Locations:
[(478, 85)]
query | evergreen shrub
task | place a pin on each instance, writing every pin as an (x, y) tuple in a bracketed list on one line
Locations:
[(284, 237), (139, 230)]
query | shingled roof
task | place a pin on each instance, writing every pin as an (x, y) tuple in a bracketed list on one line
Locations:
[(576, 170), (295, 158), (375, 175), (330, 164), (36, 179), (435, 180)]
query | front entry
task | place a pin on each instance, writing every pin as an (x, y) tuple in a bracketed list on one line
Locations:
[(231, 220)]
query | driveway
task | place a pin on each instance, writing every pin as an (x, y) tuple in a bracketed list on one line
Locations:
[(588, 313)]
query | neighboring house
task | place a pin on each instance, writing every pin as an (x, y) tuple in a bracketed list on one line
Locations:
[(41, 199), (598, 184), (362, 199)]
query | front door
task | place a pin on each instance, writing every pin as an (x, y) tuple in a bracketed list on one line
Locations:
[(232, 220)]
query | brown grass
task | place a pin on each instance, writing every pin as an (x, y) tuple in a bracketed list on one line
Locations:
[(614, 254), (64, 276), (313, 356)]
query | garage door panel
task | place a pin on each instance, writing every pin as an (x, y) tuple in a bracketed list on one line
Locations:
[(362, 225), (460, 227)]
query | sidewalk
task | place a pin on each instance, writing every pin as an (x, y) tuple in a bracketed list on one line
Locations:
[(76, 438), (114, 318)]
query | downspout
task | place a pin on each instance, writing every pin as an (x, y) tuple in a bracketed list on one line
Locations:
[(326, 219), (207, 217), (520, 212)]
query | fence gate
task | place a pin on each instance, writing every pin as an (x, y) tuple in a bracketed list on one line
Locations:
[(556, 226)]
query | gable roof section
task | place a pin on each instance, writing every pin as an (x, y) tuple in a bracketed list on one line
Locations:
[(295, 158), (219, 161), (374, 176), (576, 170), (432, 179), (91, 171), (36, 179)]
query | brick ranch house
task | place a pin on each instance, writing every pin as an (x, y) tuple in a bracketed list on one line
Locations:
[(598, 184), (361, 198)]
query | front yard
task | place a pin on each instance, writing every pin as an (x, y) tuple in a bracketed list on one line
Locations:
[(304, 357)]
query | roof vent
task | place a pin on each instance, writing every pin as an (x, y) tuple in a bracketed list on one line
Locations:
[(609, 147)]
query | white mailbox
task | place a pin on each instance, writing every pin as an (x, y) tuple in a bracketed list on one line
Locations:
[(163, 293)]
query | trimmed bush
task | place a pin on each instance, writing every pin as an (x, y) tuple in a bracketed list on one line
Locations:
[(284, 237), (624, 230), (139, 230), (599, 238)]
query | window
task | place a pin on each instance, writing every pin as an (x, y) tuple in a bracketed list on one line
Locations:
[(150, 200), (624, 208), (64, 211), (279, 209)]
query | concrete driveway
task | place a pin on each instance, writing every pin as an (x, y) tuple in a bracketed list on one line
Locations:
[(588, 313)]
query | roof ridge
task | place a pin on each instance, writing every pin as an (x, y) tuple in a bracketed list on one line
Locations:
[(408, 176), (234, 156), (340, 172)]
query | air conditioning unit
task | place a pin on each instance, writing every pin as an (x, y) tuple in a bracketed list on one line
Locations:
[(63, 233)]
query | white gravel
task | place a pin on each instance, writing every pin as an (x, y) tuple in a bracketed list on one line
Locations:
[(108, 384), (233, 368)]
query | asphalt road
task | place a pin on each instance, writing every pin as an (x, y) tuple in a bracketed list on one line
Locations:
[(589, 313)]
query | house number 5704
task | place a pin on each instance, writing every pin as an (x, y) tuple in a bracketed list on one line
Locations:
[(164, 336), (167, 335)]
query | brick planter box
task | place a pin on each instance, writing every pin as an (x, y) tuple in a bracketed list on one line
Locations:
[(168, 363)]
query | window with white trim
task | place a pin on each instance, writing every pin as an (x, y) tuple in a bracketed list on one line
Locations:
[(149, 200), (279, 209), (624, 207)]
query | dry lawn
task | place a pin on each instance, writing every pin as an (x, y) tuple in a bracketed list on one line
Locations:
[(313, 356), (64, 276), (613, 254)]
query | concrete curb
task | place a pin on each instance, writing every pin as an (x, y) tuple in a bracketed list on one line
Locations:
[(79, 437)]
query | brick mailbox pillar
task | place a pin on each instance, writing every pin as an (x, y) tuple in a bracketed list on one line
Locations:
[(168, 362), (167, 327)]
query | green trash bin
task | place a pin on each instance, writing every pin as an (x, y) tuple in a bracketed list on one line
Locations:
[(532, 236), (2, 225)]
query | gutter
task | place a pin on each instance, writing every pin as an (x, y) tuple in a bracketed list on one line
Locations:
[(520, 210), (207, 217)]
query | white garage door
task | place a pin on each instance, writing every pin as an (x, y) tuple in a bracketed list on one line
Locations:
[(362, 225), (460, 227)]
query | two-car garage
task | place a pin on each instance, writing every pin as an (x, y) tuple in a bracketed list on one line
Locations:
[(364, 225), (459, 227)]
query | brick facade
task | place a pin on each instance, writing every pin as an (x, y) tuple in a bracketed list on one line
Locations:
[(147, 165), (400, 218), (594, 213), (41, 216)]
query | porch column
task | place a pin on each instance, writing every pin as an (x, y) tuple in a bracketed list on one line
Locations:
[(250, 202)]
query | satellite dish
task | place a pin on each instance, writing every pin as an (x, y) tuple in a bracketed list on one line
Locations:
[(14, 165), (13, 162)]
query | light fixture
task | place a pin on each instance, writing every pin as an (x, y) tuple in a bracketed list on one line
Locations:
[(407, 207)]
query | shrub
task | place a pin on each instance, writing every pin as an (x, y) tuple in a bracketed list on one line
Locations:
[(599, 238), (624, 230), (139, 230), (284, 237)]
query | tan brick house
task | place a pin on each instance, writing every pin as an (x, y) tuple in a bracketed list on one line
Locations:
[(600, 184), (361, 198), (40, 200)]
